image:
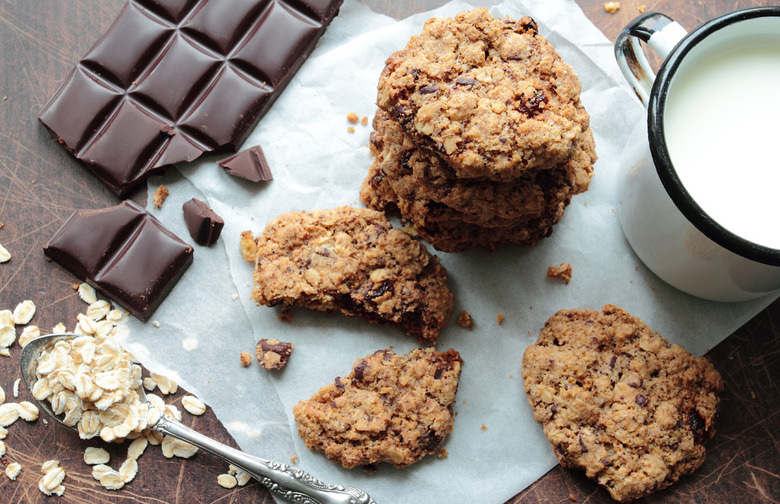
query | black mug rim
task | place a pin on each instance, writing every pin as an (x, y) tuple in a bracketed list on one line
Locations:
[(663, 163)]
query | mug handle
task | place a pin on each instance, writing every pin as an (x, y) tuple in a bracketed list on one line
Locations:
[(661, 34)]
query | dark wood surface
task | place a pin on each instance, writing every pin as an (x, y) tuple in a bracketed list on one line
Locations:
[(40, 185)]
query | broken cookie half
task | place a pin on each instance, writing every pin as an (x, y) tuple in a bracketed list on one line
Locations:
[(352, 261), (390, 408)]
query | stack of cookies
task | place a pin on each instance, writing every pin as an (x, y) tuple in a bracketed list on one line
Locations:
[(480, 139)]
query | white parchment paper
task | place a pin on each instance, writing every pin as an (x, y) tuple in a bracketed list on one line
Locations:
[(208, 319)]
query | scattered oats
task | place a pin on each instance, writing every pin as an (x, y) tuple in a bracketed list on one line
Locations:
[(29, 333), (154, 437), (59, 329), (166, 385), (2, 448), (611, 7), (5, 352), (9, 413), (3, 432), (5, 256), (193, 405), (94, 455), (86, 324), (7, 335), (136, 448), (149, 383), (156, 401), (175, 447), (16, 387), (227, 481), (104, 328), (246, 359), (28, 411), (53, 476), (2, 395), (99, 470), (6, 317), (111, 480), (128, 470), (87, 293), (98, 310), (173, 412), (115, 315), (13, 470), (24, 312)]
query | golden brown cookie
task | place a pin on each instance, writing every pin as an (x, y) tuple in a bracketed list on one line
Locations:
[(352, 261), (619, 401), (490, 96), (480, 201), (390, 408)]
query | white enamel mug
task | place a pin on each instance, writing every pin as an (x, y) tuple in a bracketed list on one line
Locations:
[(699, 184)]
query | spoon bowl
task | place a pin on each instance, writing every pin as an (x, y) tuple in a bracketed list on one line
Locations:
[(285, 481)]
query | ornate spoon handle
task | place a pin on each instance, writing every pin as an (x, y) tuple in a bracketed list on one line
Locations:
[(283, 480)]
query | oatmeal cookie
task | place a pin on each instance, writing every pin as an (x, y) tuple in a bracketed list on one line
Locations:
[(619, 401), (390, 408), (444, 228), (480, 201), (491, 96), (352, 261)]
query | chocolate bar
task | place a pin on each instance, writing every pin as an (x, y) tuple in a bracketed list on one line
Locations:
[(203, 223), (170, 80), (249, 164), (125, 252)]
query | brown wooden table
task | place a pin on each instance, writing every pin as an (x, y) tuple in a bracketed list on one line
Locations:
[(40, 185)]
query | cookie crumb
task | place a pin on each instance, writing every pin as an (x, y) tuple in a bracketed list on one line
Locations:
[(294, 459), (286, 315), (484, 427), (353, 118), (442, 453), (611, 7), (500, 318), (465, 320), (272, 353), (246, 359), (572, 497), (159, 196), (560, 272), (364, 121), (248, 246), (642, 8), (351, 129)]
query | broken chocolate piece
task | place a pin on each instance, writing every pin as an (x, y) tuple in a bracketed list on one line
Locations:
[(125, 252), (170, 80), (249, 164), (202, 222), (272, 353)]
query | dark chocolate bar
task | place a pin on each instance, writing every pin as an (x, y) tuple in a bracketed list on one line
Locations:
[(172, 79), (203, 223), (249, 164), (125, 252)]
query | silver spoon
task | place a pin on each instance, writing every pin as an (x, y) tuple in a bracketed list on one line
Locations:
[(283, 480)]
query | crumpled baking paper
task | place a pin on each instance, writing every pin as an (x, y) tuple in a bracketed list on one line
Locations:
[(208, 318)]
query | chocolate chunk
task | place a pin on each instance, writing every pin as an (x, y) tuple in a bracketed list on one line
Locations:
[(272, 353), (170, 80), (249, 164), (125, 252), (360, 369), (203, 223)]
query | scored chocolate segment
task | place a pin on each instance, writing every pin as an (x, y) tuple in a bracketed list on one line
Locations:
[(172, 79), (125, 252)]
